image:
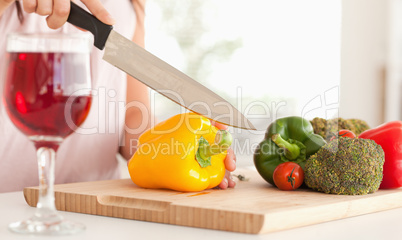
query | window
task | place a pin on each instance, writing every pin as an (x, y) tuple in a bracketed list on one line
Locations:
[(269, 58)]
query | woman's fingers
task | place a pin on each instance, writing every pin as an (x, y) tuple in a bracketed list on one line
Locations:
[(224, 184), (231, 182), (59, 14), (218, 125), (58, 11), (230, 165), (230, 160), (97, 9), (29, 6), (44, 7), (227, 181)]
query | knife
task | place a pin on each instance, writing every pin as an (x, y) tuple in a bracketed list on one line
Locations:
[(155, 73)]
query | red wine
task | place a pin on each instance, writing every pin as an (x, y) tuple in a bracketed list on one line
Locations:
[(35, 95)]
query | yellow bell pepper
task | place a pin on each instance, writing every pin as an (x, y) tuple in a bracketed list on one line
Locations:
[(184, 153)]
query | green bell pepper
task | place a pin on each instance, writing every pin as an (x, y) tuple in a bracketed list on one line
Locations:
[(286, 139)]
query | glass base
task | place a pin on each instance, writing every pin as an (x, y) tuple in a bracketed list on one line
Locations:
[(40, 228)]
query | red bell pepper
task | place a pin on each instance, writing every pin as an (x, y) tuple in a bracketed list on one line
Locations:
[(389, 136)]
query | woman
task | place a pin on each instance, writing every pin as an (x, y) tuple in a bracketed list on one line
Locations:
[(82, 157)]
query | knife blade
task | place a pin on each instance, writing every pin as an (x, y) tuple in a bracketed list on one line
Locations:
[(157, 74)]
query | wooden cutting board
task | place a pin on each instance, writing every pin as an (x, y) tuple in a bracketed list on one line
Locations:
[(253, 206)]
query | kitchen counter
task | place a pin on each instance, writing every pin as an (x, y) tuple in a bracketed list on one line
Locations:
[(381, 225)]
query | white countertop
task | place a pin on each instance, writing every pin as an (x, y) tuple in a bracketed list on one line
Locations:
[(381, 225)]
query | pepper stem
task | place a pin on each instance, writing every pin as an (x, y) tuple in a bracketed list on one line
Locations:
[(291, 150), (223, 140)]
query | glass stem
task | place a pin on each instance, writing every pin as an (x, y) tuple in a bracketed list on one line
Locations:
[(46, 209)]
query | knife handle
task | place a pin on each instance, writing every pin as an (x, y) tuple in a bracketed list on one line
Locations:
[(83, 19)]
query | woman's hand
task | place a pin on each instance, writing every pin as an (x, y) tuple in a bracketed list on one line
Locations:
[(58, 10), (230, 164)]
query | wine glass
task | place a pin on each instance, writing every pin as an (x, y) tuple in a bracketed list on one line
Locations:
[(47, 95)]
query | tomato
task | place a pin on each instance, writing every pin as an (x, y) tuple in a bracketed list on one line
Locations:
[(344, 133), (288, 176)]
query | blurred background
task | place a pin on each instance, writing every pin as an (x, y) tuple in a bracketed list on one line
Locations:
[(276, 58)]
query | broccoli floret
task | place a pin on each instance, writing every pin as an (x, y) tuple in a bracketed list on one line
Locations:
[(359, 126), (350, 166), (328, 128)]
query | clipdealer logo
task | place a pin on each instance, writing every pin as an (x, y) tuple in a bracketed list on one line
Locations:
[(110, 113)]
